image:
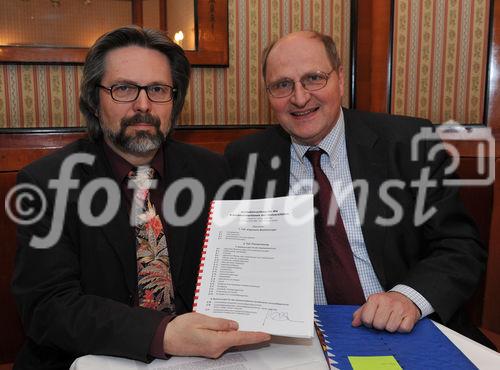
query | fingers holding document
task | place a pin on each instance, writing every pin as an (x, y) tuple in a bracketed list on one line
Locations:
[(391, 311), (194, 334)]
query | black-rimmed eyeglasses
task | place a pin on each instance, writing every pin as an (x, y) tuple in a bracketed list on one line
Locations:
[(311, 82), (125, 93)]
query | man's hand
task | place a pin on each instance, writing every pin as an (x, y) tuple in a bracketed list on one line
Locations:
[(391, 311), (194, 334)]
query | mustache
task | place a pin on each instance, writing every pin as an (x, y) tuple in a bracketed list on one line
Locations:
[(141, 118)]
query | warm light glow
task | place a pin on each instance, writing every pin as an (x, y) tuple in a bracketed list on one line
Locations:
[(178, 37)]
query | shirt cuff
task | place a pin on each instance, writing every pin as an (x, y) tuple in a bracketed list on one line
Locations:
[(156, 348), (417, 298)]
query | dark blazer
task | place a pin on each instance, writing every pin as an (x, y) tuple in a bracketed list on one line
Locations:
[(443, 258), (77, 297)]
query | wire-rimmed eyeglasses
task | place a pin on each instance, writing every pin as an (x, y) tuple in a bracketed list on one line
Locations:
[(311, 82), (127, 92)]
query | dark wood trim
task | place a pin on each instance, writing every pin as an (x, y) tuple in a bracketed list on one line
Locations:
[(491, 21), (352, 52), (390, 55), (374, 30), (494, 337), (136, 8), (163, 15), (373, 55), (59, 130), (35, 54), (491, 309), (493, 89), (212, 41), (40, 130), (21, 148)]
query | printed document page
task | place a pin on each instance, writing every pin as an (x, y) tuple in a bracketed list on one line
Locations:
[(257, 265), (281, 354)]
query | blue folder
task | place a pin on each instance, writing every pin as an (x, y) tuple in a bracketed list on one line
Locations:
[(426, 347)]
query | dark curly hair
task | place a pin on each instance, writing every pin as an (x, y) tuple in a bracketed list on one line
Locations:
[(93, 69)]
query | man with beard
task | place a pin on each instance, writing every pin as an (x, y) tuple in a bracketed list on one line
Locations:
[(118, 277)]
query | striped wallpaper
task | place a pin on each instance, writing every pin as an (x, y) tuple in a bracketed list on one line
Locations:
[(47, 95), (39, 96), (440, 59)]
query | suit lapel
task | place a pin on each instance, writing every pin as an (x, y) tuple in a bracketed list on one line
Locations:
[(118, 232), (274, 163), (176, 167), (367, 157)]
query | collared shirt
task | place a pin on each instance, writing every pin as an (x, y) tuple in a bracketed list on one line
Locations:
[(121, 169), (335, 165)]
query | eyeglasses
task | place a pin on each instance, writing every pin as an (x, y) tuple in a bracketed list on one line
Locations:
[(125, 93), (310, 82)]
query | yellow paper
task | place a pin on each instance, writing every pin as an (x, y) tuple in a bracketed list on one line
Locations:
[(374, 363)]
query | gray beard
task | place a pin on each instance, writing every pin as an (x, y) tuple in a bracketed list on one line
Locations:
[(141, 143)]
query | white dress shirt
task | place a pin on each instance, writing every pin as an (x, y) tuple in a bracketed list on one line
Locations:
[(336, 167)]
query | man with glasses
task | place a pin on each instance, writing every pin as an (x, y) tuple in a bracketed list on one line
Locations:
[(370, 250), (123, 286)]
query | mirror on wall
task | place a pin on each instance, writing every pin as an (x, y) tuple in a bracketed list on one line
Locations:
[(177, 17), (60, 31)]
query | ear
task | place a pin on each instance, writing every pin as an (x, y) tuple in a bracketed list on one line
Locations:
[(340, 74)]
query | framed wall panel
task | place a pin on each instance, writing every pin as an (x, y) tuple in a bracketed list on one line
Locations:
[(60, 31), (440, 59)]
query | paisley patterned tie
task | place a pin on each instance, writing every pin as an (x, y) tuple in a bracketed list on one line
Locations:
[(154, 281)]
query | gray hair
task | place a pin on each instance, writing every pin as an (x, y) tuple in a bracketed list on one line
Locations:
[(93, 69), (329, 44)]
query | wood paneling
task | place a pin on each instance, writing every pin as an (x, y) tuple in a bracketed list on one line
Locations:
[(479, 202), (493, 94), (12, 333), (373, 55), (491, 313), (19, 149)]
